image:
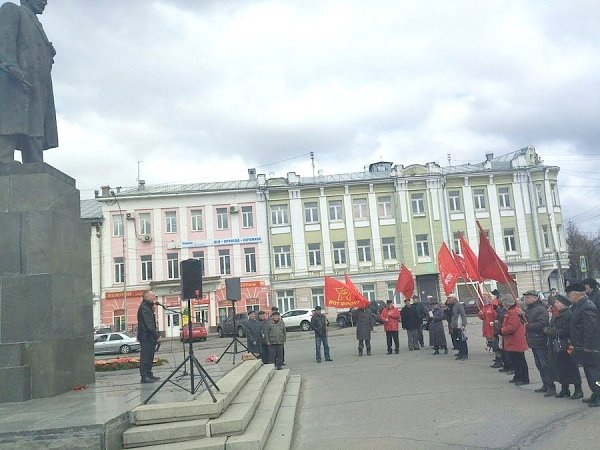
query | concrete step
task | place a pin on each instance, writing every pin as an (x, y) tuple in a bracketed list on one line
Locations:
[(283, 428), (161, 433), (216, 443), (202, 407), (256, 434), (235, 419)]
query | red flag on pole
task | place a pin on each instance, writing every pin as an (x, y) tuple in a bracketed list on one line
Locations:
[(449, 272), (471, 262), (405, 283), (356, 294), (338, 295), (460, 263), (491, 267)]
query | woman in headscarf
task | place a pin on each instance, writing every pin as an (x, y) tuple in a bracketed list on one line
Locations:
[(437, 336), (563, 369)]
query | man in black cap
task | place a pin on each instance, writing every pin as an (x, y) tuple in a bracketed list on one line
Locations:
[(592, 291), (537, 320), (275, 309), (318, 323), (584, 338)]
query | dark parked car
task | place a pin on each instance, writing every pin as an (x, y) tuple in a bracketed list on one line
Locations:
[(226, 327), (199, 332), (348, 318), (471, 308)]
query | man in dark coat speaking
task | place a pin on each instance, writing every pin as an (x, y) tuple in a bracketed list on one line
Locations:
[(148, 335), (27, 113)]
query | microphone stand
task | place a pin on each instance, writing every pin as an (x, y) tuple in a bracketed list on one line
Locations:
[(185, 372)]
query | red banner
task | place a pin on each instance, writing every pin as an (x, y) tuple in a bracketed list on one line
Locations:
[(356, 294), (120, 294), (338, 295), (449, 272), (405, 283), (471, 262), (491, 267)]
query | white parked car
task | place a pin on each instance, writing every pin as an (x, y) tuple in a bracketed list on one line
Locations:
[(115, 343), (297, 318)]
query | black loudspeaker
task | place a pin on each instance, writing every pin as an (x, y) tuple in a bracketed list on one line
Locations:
[(233, 292), (191, 278)]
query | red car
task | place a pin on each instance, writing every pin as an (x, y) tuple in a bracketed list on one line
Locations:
[(199, 332)]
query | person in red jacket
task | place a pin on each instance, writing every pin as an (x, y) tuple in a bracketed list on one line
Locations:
[(487, 314), (390, 317), (515, 343)]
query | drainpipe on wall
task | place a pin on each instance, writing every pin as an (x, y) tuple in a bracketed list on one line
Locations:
[(269, 297)]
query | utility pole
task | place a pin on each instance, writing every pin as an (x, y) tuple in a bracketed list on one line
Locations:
[(139, 163), (312, 159), (556, 251)]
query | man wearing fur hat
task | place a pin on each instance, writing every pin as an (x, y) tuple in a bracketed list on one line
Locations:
[(584, 338)]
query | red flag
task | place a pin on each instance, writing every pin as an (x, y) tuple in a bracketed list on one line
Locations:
[(338, 295), (449, 272), (491, 267), (471, 262), (405, 283), (356, 294), (460, 263)]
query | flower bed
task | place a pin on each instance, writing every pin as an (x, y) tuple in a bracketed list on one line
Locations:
[(124, 363)]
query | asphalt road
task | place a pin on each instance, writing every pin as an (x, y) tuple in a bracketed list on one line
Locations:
[(415, 400)]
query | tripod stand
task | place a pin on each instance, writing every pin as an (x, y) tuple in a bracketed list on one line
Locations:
[(204, 376), (234, 342)]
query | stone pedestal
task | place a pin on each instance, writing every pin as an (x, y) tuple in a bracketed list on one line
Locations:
[(46, 339)]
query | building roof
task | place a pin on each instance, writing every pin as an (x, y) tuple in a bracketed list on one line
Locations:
[(524, 157), (91, 209)]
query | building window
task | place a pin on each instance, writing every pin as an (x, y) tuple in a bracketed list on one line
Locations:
[(422, 245), (255, 307), (279, 215), (285, 301), (171, 222), (546, 236), (222, 219), (368, 291), (389, 248), (335, 210), (119, 262), (359, 207), (314, 254), (283, 257), (554, 194), (226, 312), (247, 217), (363, 247), (172, 266), (510, 244), (318, 297), (339, 252), (454, 201), (391, 293), (118, 229), (384, 206), (146, 267), (311, 212), (504, 197), (479, 198), (418, 204), (456, 242), (224, 262), (196, 220), (539, 194), (199, 255), (250, 259), (145, 226), (560, 232)]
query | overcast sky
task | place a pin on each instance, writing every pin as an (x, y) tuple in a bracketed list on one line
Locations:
[(202, 90)]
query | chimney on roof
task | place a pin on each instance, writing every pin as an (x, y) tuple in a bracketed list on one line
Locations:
[(141, 185), (105, 191), (489, 156), (252, 174), (96, 193)]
